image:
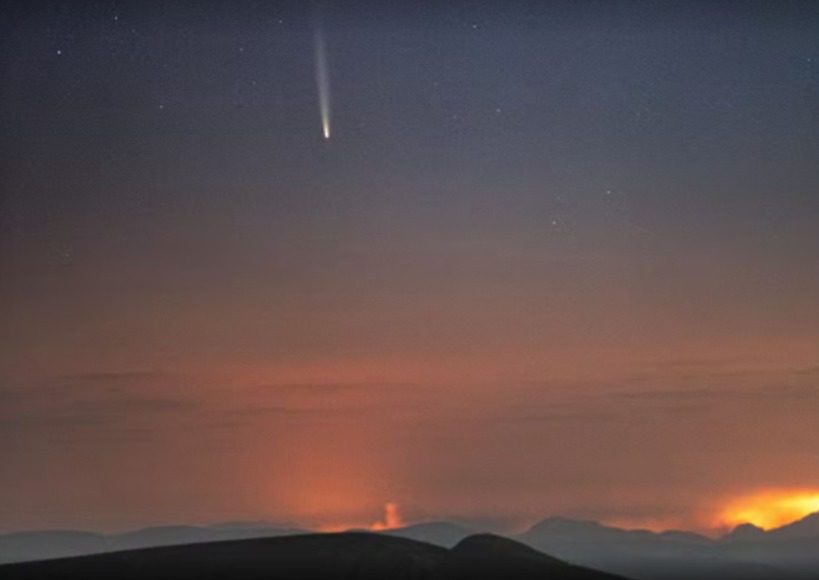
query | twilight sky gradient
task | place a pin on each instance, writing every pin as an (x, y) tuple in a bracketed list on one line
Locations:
[(555, 259)]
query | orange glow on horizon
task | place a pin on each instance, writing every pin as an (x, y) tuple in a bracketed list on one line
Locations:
[(771, 508), (392, 518)]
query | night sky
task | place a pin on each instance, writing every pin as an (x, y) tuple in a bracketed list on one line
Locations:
[(554, 258)]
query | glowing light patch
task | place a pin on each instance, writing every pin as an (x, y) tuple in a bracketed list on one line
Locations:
[(322, 79), (392, 518), (771, 508)]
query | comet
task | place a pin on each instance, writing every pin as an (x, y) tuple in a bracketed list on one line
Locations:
[(322, 78)]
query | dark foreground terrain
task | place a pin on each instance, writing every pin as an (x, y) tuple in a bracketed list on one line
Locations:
[(790, 552), (346, 556)]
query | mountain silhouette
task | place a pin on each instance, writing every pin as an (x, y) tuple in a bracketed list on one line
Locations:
[(344, 556), (26, 546), (807, 527), (490, 556), (643, 554), (744, 533), (793, 548), (749, 552), (443, 534)]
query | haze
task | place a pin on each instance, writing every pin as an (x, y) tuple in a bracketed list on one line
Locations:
[(554, 261)]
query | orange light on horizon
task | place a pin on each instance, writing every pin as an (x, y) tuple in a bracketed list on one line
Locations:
[(771, 508), (392, 518)]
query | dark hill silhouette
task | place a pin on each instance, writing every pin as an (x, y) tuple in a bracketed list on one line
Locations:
[(28, 546), (443, 534), (345, 556), (744, 533), (178, 535), (789, 552), (490, 556), (807, 527), (793, 547)]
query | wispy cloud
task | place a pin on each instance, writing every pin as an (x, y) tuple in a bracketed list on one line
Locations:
[(706, 384), (330, 389), (779, 392), (92, 400)]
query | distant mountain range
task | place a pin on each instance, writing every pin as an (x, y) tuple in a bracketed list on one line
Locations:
[(748, 552), (344, 556), (789, 552)]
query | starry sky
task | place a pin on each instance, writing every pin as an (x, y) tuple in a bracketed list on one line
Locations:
[(555, 259)]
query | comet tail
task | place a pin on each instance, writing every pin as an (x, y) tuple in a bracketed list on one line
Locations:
[(322, 79)]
